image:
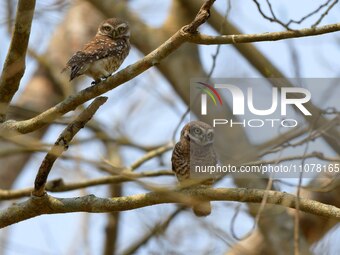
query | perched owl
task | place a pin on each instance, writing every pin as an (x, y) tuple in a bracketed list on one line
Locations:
[(104, 53), (195, 148)]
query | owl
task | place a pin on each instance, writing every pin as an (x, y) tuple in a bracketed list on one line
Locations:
[(195, 148), (104, 53)]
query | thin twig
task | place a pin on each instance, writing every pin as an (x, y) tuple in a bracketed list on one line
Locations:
[(325, 13), (150, 155), (271, 19), (158, 229), (309, 14), (322, 130), (214, 56), (58, 185), (286, 25), (273, 36)]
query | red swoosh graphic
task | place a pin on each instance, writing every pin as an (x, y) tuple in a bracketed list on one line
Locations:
[(213, 90)]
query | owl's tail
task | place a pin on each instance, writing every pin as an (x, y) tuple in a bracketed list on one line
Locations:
[(203, 209)]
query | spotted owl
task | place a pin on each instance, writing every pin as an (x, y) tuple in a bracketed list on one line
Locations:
[(195, 148), (104, 53)]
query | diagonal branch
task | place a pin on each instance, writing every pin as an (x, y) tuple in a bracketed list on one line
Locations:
[(46, 204), (14, 67), (150, 155), (152, 59), (62, 144), (325, 13)]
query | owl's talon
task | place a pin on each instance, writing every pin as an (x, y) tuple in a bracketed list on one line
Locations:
[(95, 82), (105, 77)]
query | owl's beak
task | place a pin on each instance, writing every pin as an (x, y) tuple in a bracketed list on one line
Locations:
[(205, 140)]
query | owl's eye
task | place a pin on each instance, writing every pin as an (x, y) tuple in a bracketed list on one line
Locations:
[(210, 136), (107, 28), (197, 131), (121, 29)]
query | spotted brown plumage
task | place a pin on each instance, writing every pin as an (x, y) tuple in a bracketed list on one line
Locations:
[(195, 148), (104, 53)]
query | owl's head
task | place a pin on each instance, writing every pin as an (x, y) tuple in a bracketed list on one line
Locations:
[(114, 28), (198, 132)]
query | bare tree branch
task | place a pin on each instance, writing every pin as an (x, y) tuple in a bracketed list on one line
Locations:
[(62, 144), (273, 36), (46, 204), (150, 155), (14, 67), (152, 59), (59, 185)]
